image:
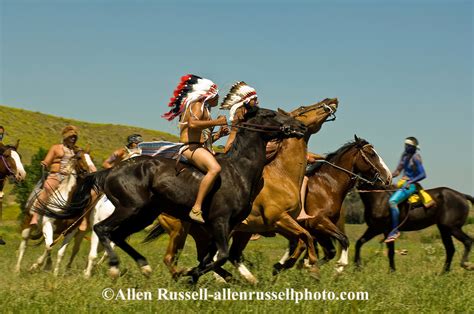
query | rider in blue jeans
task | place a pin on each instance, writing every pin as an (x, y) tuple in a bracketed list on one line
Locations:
[(410, 163)]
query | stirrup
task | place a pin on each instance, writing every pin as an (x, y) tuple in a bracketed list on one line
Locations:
[(196, 215)]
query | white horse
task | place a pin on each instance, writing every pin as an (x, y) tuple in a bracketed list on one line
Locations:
[(102, 210), (81, 162)]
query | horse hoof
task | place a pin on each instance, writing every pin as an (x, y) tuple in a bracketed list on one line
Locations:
[(314, 273), (277, 268), (114, 272), (467, 266), (146, 271), (34, 267), (219, 279)]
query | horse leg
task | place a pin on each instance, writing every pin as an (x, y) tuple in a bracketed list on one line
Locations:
[(92, 255), (327, 227), (221, 232), (391, 254), (467, 241), (139, 259), (25, 235), (239, 243), (102, 229), (367, 236), (178, 232), (62, 251), (448, 246), (48, 234), (77, 245), (290, 229)]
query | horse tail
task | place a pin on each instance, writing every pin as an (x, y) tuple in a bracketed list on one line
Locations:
[(154, 233), (469, 198), (80, 199)]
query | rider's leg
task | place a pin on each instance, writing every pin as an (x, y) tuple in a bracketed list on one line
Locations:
[(303, 191), (396, 198), (50, 185), (206, 162)]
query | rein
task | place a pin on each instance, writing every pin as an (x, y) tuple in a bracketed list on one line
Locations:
[(10, 171), (355, 176)]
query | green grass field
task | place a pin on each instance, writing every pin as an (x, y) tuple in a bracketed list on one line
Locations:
[(415, 287)]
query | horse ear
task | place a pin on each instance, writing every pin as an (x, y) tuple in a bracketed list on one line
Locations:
[(356, 138), (283, 112), (17, 144)]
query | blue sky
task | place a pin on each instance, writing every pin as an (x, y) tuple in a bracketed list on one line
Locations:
[(399, 68)]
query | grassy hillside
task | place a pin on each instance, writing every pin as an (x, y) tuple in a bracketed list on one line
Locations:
[(35, 130)]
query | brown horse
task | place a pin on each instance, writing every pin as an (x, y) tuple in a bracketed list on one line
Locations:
[(449, 214), (328, 186), (278, 203)]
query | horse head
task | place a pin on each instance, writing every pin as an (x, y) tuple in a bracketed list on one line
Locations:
[(368, 163), (10, 163), (315, 115), (83, 162), (272, 124)]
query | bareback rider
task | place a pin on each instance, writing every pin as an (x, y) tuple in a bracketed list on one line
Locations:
[(123, 153), (192, 101), (240, 97), (57, 160), (410, 163)]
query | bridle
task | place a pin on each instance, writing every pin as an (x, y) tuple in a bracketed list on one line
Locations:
[(355, 176), (332, 115), (5, 163)]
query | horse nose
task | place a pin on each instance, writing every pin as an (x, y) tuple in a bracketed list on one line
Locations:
[(21, 176)]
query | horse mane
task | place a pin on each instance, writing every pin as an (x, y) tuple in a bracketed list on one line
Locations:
[(344, 148)]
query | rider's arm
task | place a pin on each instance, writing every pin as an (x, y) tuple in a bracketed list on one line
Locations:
[(195, 122), (109, 162), (399, 168), (421, 170), (48, 160)]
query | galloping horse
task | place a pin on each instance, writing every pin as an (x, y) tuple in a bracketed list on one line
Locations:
[(328, 186), (78, 166), (143, 187), (276, 206), (449, 214)]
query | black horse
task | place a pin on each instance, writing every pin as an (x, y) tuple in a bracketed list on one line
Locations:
[(143, 187), (449, 214)]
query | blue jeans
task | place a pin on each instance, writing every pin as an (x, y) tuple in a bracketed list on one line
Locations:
[(396, 198)]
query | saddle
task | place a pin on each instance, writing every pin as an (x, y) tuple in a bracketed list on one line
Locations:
[(419, 198)]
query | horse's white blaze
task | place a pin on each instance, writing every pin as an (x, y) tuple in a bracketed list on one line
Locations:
[(388, 173), (20, 171), (89, 162)]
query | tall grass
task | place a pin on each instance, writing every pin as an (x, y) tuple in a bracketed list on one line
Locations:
[(415, 287)]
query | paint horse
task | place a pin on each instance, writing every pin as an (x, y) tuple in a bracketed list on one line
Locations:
[(78, 166)]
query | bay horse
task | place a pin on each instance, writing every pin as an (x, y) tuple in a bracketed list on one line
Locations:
[(276, 206), (449, 214), (79, 165), (143, 187), (328, 186)]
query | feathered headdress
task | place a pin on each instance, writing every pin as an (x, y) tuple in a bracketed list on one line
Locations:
[(240, 94), (190, 89)]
